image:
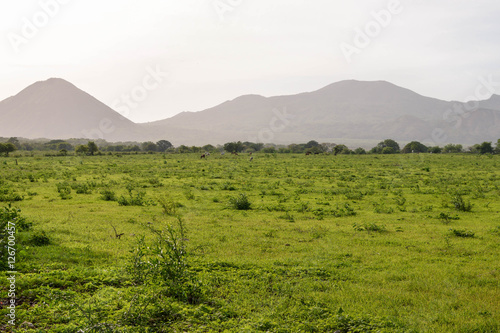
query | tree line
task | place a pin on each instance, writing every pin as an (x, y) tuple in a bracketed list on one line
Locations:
[(83, 147)]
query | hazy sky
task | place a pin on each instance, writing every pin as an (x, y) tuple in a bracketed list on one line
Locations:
[(210, 51)]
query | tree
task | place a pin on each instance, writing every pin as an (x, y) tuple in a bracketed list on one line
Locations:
[(414, 147), (497, 148), (135, 148), (81, 149), (7, 148), (92, 148), (253, 145), (183, 149), (435, 150), (359, 151), (388, 150), (451, 148), (341, 149), (387, 143), (15, 142), (164, 145), (234, 147), (65, 146), (485, 148), (294, 148), (316, 149), (311, 144), (208, 148), (149, 146)]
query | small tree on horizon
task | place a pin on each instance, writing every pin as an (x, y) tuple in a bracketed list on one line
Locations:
[(6, 148), (81, 149), (387, 143), (164, 145), (485, 148), (415, 147), (92, 148)]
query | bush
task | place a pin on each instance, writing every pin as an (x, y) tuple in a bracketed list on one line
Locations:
[(462, 233), (240, 202), (459, 203), (39, 238), (64, 190), (168, 206), (369, 227), (133, 200), (164, 263), (445, 217), (8, 195), (108, 195)]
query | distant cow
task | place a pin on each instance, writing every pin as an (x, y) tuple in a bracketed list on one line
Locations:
[(308, 153), (251, 158), (234, 153), (203, 156)]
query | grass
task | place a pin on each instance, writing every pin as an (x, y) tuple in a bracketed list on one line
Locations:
[(344, 243)]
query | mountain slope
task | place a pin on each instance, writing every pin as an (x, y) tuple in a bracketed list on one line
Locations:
[(343, 110), (57, 109)]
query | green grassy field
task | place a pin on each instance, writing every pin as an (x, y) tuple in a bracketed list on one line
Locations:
[(367, 243)]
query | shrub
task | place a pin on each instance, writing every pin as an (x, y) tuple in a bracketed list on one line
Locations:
[(81, 188), (462, 233), (168, 206), (459, 203), (369, 227), (8, 195), (344, 210), (108, 195), (445, 217), (240, 202), (64, 190), (39, 238), (164, 263)]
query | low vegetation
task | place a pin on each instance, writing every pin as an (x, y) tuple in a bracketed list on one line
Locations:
[(282, 243)]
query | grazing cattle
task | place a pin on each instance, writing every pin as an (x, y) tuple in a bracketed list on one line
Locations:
[(308, 153), (251, 158), (222, 153), (203, 156), (250, 153), (234, 153)]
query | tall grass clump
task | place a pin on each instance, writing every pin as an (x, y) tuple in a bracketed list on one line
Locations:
[(240, 202), (164, 263)]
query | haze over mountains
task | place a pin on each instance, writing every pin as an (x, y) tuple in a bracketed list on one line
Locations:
[(346, 110)]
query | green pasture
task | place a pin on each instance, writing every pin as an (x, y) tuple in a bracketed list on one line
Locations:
[(347, 243)]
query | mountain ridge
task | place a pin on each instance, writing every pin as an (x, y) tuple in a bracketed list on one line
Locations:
[(349, 109)]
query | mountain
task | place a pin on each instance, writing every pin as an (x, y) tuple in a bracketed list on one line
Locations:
[(346, 111), (56, 109)]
